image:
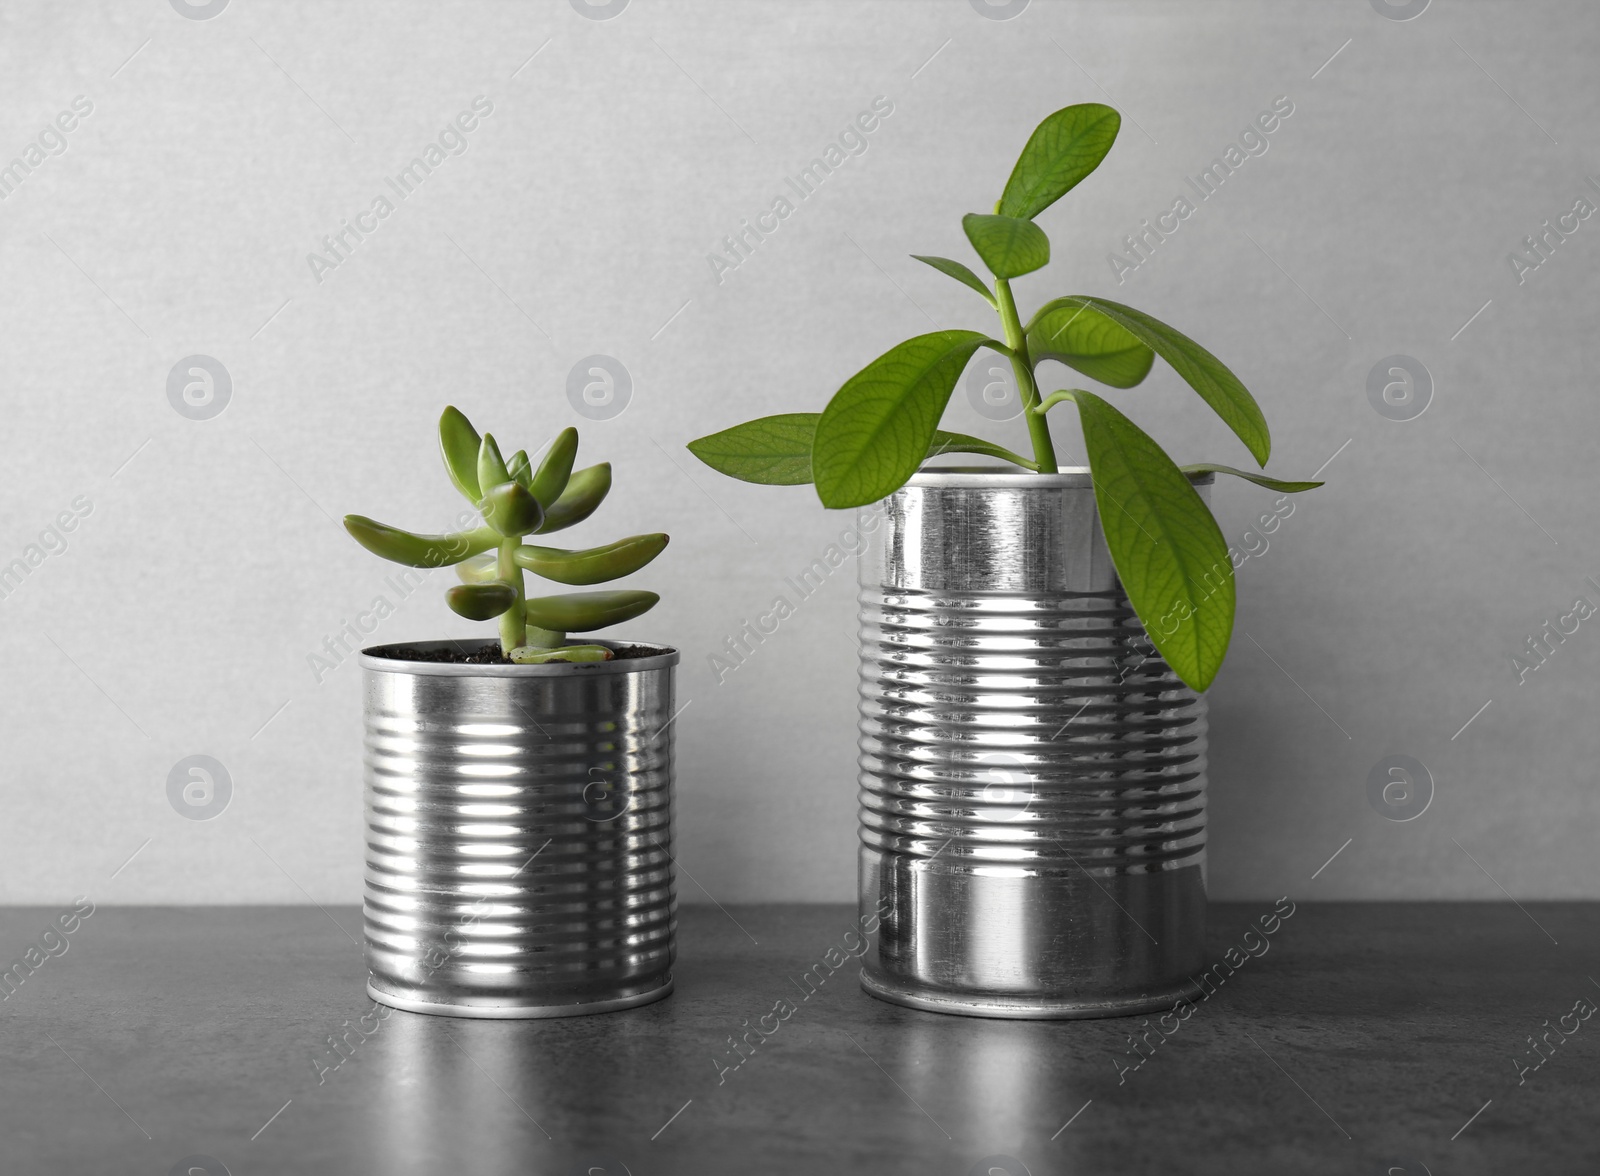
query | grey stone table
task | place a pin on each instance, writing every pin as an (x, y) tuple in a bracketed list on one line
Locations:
[(1362, 1039)]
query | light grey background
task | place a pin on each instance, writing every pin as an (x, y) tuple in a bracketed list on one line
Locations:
[(181, 617)]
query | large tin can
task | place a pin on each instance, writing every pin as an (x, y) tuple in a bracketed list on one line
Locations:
[(1033, 775)]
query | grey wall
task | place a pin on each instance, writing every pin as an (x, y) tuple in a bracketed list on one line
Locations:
[(206, 568)]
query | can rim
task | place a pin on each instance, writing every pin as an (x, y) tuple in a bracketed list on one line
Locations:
[(1010, 478), (374, 658)]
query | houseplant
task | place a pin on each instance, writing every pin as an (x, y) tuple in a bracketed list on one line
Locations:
[(1033, 643), (519, 791)]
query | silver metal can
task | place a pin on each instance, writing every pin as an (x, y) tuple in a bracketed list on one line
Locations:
[(519, 834), (1033, 775)]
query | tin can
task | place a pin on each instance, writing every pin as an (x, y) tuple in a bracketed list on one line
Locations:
[(519, 834), (1033, 775)]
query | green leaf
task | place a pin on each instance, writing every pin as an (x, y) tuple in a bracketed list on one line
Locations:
[(1092, 343), (1259, 479), (481, 602), (1062, 150), (520, 468), (1165, 544), (583, 612), (1201, 370), (527, 655), (512, 510), (585, 491), (458, 442), (491, 466), (876, 430), (960, 273), (556, 468), (772, 450), (480, 569), (944, 442), (776, 450), (418, 551), (1009, 247), (595, 565)]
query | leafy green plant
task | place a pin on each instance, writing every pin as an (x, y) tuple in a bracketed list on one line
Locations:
[(882, 424), (516, 500)]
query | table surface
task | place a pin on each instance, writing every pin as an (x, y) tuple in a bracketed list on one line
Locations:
[(1366, 1036)]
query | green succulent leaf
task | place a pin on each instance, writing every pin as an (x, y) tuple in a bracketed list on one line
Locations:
[(527, 655), (511, 509), (1165, 544), (556, 468), (539, 638), (776, 450), (520, 468), (878, 427), (960, 273), (491, 466), (1201, 370), (1009, 246), (1277, 484), (418, 551), (1091, 342), (1062, 150), (458, 442), (583, 612), (596, 565), (585, 491), (481, 602), (480, 569)]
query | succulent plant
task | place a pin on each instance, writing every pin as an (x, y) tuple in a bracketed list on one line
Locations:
[(516, 500)]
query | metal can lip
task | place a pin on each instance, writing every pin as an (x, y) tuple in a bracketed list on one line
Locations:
[(375, 657), (997, 477)]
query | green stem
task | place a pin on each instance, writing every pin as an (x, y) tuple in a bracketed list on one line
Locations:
[(1044, 450), (514, 621), (1054, 399)]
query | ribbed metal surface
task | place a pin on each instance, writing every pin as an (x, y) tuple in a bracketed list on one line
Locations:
[(519, 835), (1032, 773)]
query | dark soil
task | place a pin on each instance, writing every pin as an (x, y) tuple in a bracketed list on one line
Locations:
[(488, 654)]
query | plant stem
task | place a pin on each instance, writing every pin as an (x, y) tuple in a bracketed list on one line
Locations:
[(514, 621), (1044, 450)]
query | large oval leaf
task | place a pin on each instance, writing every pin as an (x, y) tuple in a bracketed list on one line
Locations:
[(1062, 150), (1083, 338), (1010, 247), (771, 450), (776, 450), (1167, 547), (877, 428), (1201, 370)]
